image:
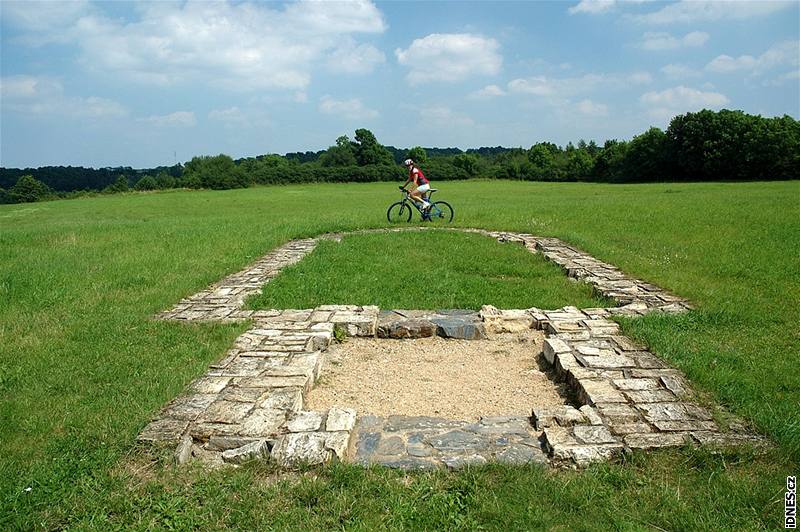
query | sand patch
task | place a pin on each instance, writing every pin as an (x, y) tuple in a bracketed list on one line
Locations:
[(457, 379)]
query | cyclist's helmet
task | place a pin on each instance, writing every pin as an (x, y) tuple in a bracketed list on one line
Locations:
[(408, 162)]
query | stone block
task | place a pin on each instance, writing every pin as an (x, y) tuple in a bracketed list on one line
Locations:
[(563, 416), (673, 412), (266, 381), (243, 395), (229, 412), (263, 422), (301, 447), (391, 445), (286, 399), (209, 385), (306, 421), (675, 384), (340, 419), (619, 413), (565, 362), (505, 321), (416, 423), (636, 384), (626, 344), (456, 440), (653, 441), (593, 392), (183, 452), (621, 429), (204, 431), (189, 407), (406, 328), (685, 425), (558, 436), (501, 425), (461, 461), (586, 455), (593, 434), (223, 443), (252, 451), (591, 415), (518, 454), (607, 361), (464, 328), (650, 396), (647, 360), (553, 346)]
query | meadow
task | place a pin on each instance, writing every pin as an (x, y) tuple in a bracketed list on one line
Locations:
[(83, 366)]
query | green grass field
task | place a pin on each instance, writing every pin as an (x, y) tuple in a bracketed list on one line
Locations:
[(83, 366)]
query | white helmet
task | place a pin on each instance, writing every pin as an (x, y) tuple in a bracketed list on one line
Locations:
[(408, 162)]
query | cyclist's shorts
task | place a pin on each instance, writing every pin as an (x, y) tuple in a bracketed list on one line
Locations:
[(422, 189)]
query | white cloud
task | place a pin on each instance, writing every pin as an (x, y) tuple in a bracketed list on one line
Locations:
[(176, 119), (240, 46), (45, 96), (679, 71), (489, 91), (677, 100), (589, 108), (690, 11), (784, 53), (47, 21), (351, 109), (592, 6), (565, 87), (660, 40), (355, 58), (450, 57)]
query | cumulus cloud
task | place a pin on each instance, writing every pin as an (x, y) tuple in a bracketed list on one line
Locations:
[(660, 40), (781, 54), (233, 116), (489, 91), (670, 102), (45, 96), (355, 58), (351, 109), (176, 119), (570, 86), (592, 6), (450, 57), (691, 11), (241, 46)]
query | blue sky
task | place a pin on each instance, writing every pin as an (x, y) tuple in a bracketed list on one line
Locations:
[(151, 83)]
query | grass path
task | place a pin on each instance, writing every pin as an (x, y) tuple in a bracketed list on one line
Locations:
[(83, 367)]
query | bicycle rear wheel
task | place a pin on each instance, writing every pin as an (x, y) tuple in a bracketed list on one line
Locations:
[(441, 212), (399, 212)]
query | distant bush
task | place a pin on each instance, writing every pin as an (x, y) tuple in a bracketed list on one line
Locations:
[(120, 185), (28, 190)]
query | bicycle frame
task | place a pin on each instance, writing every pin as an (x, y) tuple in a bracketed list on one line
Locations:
[(408, 199)]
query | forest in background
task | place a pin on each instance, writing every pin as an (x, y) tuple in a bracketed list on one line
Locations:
[(703, 146)]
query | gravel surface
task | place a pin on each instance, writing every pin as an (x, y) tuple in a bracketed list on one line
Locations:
[(457, 379)]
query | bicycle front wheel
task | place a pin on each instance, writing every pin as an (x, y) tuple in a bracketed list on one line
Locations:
[(441, 212), (399, 212)]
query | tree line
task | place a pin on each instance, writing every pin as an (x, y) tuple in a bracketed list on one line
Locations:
[(702, 146)]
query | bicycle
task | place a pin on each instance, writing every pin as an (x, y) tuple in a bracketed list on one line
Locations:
[(438, 212)]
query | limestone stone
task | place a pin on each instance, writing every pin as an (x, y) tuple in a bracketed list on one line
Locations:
[(619, 413), (340, 419), (652, 441), (201, 431), (647, 360), (456, 440), (593, 434), (223, 443), (599, 391), (636, 384), (674, 384), (209, 385), (607, 361), (501, 425), (589, 454), (650, 396), (229, 412), (622, 429), (626, 344), (304, 421), (183, 452), (466, 328), (563, 416), (267, 381), (462, 461), (243, 395), (553, 346), (520, 454), (673, 412), (591, 415), (189, 407), (287, 399), (410, 423), (251, 451), (685, 425), (406, 328), (301, 447), (263, 422)]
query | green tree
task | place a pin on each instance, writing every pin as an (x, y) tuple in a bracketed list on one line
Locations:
[(120, 185), (148, 182), (578, 164), (368, 151), (340, 154), (217, 172), (646, 158), (165, 180), (29, 189), (418, 155), (467, 162), (609, 165)]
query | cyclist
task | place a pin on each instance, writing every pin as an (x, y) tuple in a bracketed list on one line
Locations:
[(421, 184)]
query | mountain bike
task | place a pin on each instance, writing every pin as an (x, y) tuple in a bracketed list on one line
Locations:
[(438, 212)]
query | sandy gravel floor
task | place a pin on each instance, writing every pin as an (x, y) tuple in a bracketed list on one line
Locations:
[(456, 379)]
